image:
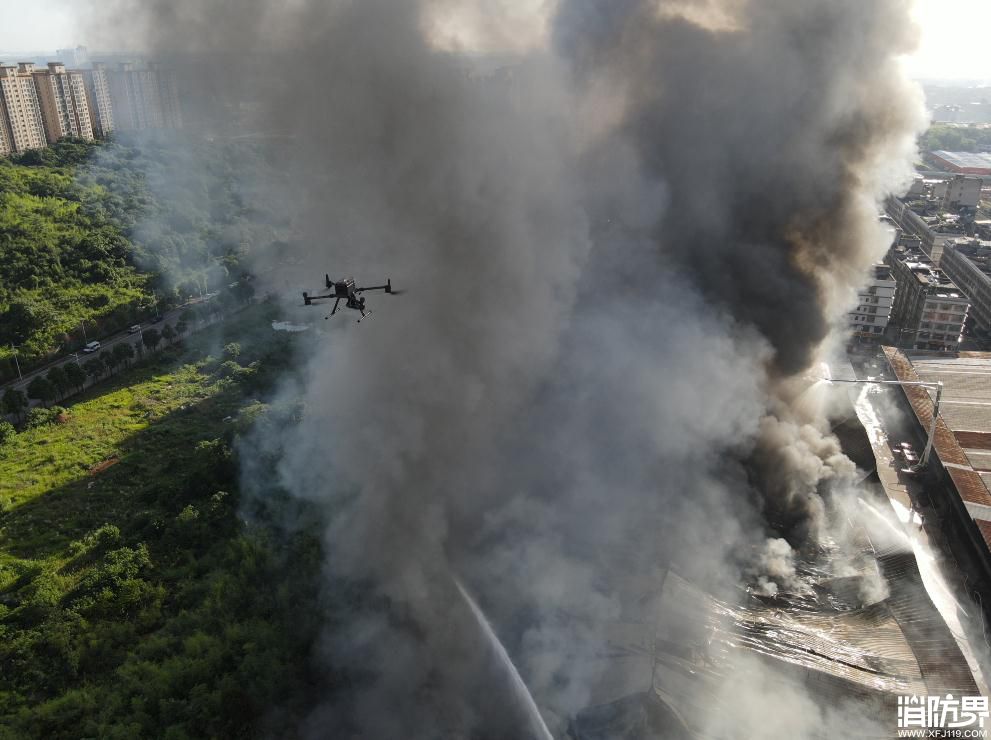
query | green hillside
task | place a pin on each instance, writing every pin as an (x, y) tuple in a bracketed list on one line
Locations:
[(106, 234), (135, 600)]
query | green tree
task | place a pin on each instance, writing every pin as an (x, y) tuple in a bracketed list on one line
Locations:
[(169, 334), (75, 375), (150, 338), (109, 361), (229, 369), (226, 301), (14, 402), (59, 380), (95, 368), (232, 351), (26, 317), (7, 431), (41, 389), (124, 353), (243, 291), (181, 327)]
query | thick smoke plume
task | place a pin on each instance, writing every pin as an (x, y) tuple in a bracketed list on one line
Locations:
[(620, 252)]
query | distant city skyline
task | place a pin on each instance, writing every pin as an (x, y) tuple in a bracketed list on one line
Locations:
[(952, 43)]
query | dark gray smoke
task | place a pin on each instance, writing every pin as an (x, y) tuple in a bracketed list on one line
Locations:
[(618, 252), (772, 123), (770, 120)]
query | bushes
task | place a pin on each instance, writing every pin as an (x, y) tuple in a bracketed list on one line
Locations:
[(103, 538), (40, 416), (229, 369), (7, 432)]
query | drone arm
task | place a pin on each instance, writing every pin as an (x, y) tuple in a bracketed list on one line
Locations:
[(387, 287)]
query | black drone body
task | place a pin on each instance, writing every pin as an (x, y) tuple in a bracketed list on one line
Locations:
[(345, 290)]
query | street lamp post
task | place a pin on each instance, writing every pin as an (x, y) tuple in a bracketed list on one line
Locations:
[(938, 386)]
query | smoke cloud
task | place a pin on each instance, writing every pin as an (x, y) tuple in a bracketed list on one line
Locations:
[(620, 252)]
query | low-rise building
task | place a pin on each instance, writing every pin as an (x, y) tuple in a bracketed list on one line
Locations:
[(965, 163), (869, 321), (931, 237), (929, 310), (968, 263), (957, 486), (963, 191)]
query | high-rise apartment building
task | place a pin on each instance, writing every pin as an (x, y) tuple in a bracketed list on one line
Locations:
[(101, 110), (144, 98), (168, 94), (21, 124), (76, 57), (62, 97)]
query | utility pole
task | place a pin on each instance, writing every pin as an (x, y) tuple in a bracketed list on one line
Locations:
[(932, 425), (82, 325), (16, 363), (936, 386)]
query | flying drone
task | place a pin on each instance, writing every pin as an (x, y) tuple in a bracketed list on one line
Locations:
[(345, 290)]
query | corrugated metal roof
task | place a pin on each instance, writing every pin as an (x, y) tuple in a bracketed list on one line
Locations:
[(964, 418), (980, 459), (974, 440), (966, 159)]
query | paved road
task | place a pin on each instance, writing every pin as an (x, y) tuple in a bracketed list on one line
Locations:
[(108, 343)]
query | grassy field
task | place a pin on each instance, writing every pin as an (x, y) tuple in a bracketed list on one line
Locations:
[(147, 419), (134, 599)]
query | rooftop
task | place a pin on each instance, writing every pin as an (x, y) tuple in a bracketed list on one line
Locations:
[(881, 271), (978, 252), (963, 431), (977, 160), (930, 277)]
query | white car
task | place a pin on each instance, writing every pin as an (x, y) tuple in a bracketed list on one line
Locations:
[(91, 347)]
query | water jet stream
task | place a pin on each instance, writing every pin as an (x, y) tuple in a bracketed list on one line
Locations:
[(521, 692)]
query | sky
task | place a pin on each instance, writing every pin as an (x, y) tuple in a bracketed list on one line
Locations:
[(954, 34)]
